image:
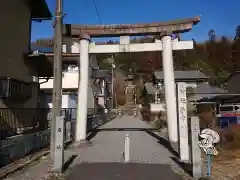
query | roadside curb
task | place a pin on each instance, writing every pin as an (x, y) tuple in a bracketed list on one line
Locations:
[(22, 163)]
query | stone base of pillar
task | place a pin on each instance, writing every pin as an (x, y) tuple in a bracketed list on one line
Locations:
[(105, 111), (82, 143)]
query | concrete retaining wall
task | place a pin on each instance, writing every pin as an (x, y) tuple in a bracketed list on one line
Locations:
[(18, 147)]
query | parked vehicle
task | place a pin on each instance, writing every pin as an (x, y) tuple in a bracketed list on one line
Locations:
[(229, 110), (229, 114)]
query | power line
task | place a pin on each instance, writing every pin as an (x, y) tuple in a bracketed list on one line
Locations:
[(96, 9)]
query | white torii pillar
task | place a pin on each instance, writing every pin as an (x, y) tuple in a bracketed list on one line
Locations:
[(81, 124), (169, 87)]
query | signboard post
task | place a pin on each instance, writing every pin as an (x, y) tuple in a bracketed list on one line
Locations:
[(196, 151), (59, 145), (182, 121), (207, 144)]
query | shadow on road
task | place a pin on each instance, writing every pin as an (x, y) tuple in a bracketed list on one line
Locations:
[(164, 142), (94, 132), (121, 171), (69, 162), (187, 167)]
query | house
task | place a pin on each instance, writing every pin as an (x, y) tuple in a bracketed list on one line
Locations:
[(152, 92), (16, 36), (98, 81), (233, 83), (19, 88), (188, 77), (182, 76), (105, 96)]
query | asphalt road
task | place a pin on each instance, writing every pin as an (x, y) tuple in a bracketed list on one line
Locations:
[(149, 159), (121, 171)]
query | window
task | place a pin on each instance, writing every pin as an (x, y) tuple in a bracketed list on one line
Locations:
[(4, 88), (236, 108), (10, 88)]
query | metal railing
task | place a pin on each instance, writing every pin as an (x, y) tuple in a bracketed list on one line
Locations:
[(16, 121)]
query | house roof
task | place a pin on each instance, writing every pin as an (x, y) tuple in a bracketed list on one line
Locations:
[(101, 73), (232, 74), (205, 91), (48, 52), (226, 98), (183, 75), (208, 89), (223, 98), (39, 9)]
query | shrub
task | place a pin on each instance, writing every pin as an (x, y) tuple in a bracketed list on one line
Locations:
[(230, 137)]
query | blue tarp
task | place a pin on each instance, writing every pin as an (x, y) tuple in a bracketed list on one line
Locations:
[(226, 121)]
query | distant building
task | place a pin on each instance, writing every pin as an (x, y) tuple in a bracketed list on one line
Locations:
[(99, 80), (205, 92), (182, 76), (154, 93)]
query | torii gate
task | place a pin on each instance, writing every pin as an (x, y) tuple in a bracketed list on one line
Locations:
[(166, 45)]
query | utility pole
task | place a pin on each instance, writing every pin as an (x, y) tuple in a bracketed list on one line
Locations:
[(57, 82), (113, 81), (111, 61)]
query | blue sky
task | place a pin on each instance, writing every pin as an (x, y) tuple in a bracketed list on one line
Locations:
[(221, 15)]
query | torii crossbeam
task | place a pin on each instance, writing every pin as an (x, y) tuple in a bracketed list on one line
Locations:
[(165, 44)]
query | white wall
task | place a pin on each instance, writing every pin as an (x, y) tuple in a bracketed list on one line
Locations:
[(69, 81), (70, 77), (68, 101)]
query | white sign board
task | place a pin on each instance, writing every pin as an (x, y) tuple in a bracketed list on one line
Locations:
[(59, 145), (209, 139), (182, 121)]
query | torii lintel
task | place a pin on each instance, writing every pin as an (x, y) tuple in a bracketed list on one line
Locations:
[(175, 26)]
